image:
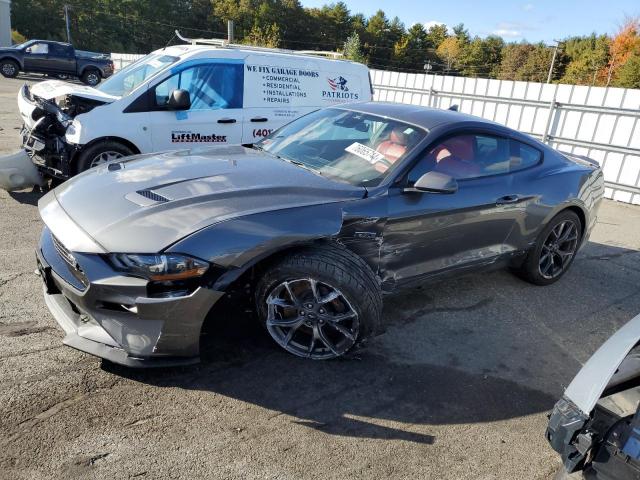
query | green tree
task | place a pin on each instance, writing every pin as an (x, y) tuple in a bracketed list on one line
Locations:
[(353, 49), (436, 35)]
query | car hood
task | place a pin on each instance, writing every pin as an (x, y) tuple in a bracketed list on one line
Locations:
[(57, 88), (146, 203)]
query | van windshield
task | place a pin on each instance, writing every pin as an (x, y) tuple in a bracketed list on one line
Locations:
[(126, 80)]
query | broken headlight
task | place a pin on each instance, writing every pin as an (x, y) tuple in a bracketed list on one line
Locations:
[(159, 267)]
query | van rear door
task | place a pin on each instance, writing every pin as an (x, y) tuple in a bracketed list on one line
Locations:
[(215, 116), (279, 88)]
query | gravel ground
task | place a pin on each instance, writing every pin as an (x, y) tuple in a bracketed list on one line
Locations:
[(458, 387)]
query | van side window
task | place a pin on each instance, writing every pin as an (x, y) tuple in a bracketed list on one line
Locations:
[(468, 156), (211, 86)]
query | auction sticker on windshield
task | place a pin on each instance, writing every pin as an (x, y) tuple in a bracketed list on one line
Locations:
[(367, 153)]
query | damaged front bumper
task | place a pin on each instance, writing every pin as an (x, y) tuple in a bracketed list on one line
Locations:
[(43, 134), (112, 316)]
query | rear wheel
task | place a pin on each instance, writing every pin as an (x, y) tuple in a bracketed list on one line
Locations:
[(9, 68), (554, 251), (101, 153), (318, 303), (91, 77)]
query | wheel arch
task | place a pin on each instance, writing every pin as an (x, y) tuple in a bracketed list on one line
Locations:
[(129, 144), (90, 67), (13, 59)]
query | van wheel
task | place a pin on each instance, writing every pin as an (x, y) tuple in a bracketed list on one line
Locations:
[(9, 68), (100, 153), (91, 77)]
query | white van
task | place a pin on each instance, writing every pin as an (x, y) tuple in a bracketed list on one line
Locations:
[(180, 97)]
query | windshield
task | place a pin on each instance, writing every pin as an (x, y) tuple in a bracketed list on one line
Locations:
[(126, 80), (24, 44), (353, 147)]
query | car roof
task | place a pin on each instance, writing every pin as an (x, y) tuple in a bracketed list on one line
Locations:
[(206, 51), (425, 117)]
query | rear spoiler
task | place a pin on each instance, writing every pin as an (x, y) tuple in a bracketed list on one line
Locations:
[(581, 158)]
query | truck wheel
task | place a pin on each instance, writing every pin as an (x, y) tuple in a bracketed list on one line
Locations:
[(100, 153), (91, 77), (9, 68), (319, 302)]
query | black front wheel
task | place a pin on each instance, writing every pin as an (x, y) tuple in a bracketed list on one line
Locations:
[(318, 303), (555, 249), (9, 68)]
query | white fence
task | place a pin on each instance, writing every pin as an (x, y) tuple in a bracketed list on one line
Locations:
[(121, 60), (601, 123)]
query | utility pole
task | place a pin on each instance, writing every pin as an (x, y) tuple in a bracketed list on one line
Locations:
[(230, 31), (553, 60), (67, 21)]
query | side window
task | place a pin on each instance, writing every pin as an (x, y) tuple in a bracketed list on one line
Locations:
[(211, 86), (40, 48), (59, 50), (475, 155)]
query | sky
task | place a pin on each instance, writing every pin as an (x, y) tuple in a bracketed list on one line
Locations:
[(534, 20)]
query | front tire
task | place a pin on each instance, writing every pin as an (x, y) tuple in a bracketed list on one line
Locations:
[(9, 68), (101, 153), (91, 77), (554, 251), (319, 302)]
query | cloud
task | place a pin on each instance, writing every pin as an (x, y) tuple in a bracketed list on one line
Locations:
[(512, 29), (501, 32), (527, 7), (432, 23)]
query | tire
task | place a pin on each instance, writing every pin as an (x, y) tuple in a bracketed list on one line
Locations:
[(9, 68), (343, 310), (91, 77), (552, 255), (101, 152)]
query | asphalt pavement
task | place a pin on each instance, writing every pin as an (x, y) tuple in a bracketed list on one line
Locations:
[(458, 387)]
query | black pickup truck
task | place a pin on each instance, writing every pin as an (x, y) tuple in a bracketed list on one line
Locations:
[(54, 58)]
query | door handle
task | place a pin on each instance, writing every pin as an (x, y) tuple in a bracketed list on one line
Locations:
[(508, 199), (227, 120), (260, 119)]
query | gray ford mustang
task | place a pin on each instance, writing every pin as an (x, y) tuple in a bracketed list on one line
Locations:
[(313, 224)]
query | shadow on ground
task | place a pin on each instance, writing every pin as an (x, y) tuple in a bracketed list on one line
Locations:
[(373, 393)]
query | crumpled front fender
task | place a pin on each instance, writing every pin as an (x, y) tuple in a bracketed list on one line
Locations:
[(18, 172)]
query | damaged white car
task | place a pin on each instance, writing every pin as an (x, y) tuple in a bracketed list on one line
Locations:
[(176, 97), (596, 425)]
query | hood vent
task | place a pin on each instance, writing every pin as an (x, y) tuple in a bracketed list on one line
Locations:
[(146, 197), (151, 195)]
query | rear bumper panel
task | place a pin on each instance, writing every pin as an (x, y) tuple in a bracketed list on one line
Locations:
[(114, 319)]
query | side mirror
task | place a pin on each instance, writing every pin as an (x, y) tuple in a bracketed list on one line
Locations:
[(179, 100), (434, 182), (28, 50)]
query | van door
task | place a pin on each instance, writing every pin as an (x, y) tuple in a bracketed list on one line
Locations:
[(215, 116)]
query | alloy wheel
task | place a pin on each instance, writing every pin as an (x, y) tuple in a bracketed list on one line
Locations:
[(105, 157), (9, 69), (311, 319), (558, 249), (92, 79)]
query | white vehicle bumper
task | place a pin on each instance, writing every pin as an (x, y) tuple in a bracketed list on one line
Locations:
[(18, 172)]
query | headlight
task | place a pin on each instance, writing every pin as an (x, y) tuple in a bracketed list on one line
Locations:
[(159, 267)]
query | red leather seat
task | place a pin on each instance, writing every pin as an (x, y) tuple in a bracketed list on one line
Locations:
[(395, 146), (455, 157)]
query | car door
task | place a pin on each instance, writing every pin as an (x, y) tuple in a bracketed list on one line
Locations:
[(215, 116), (36, 57), (61, 59), (431, 233)]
